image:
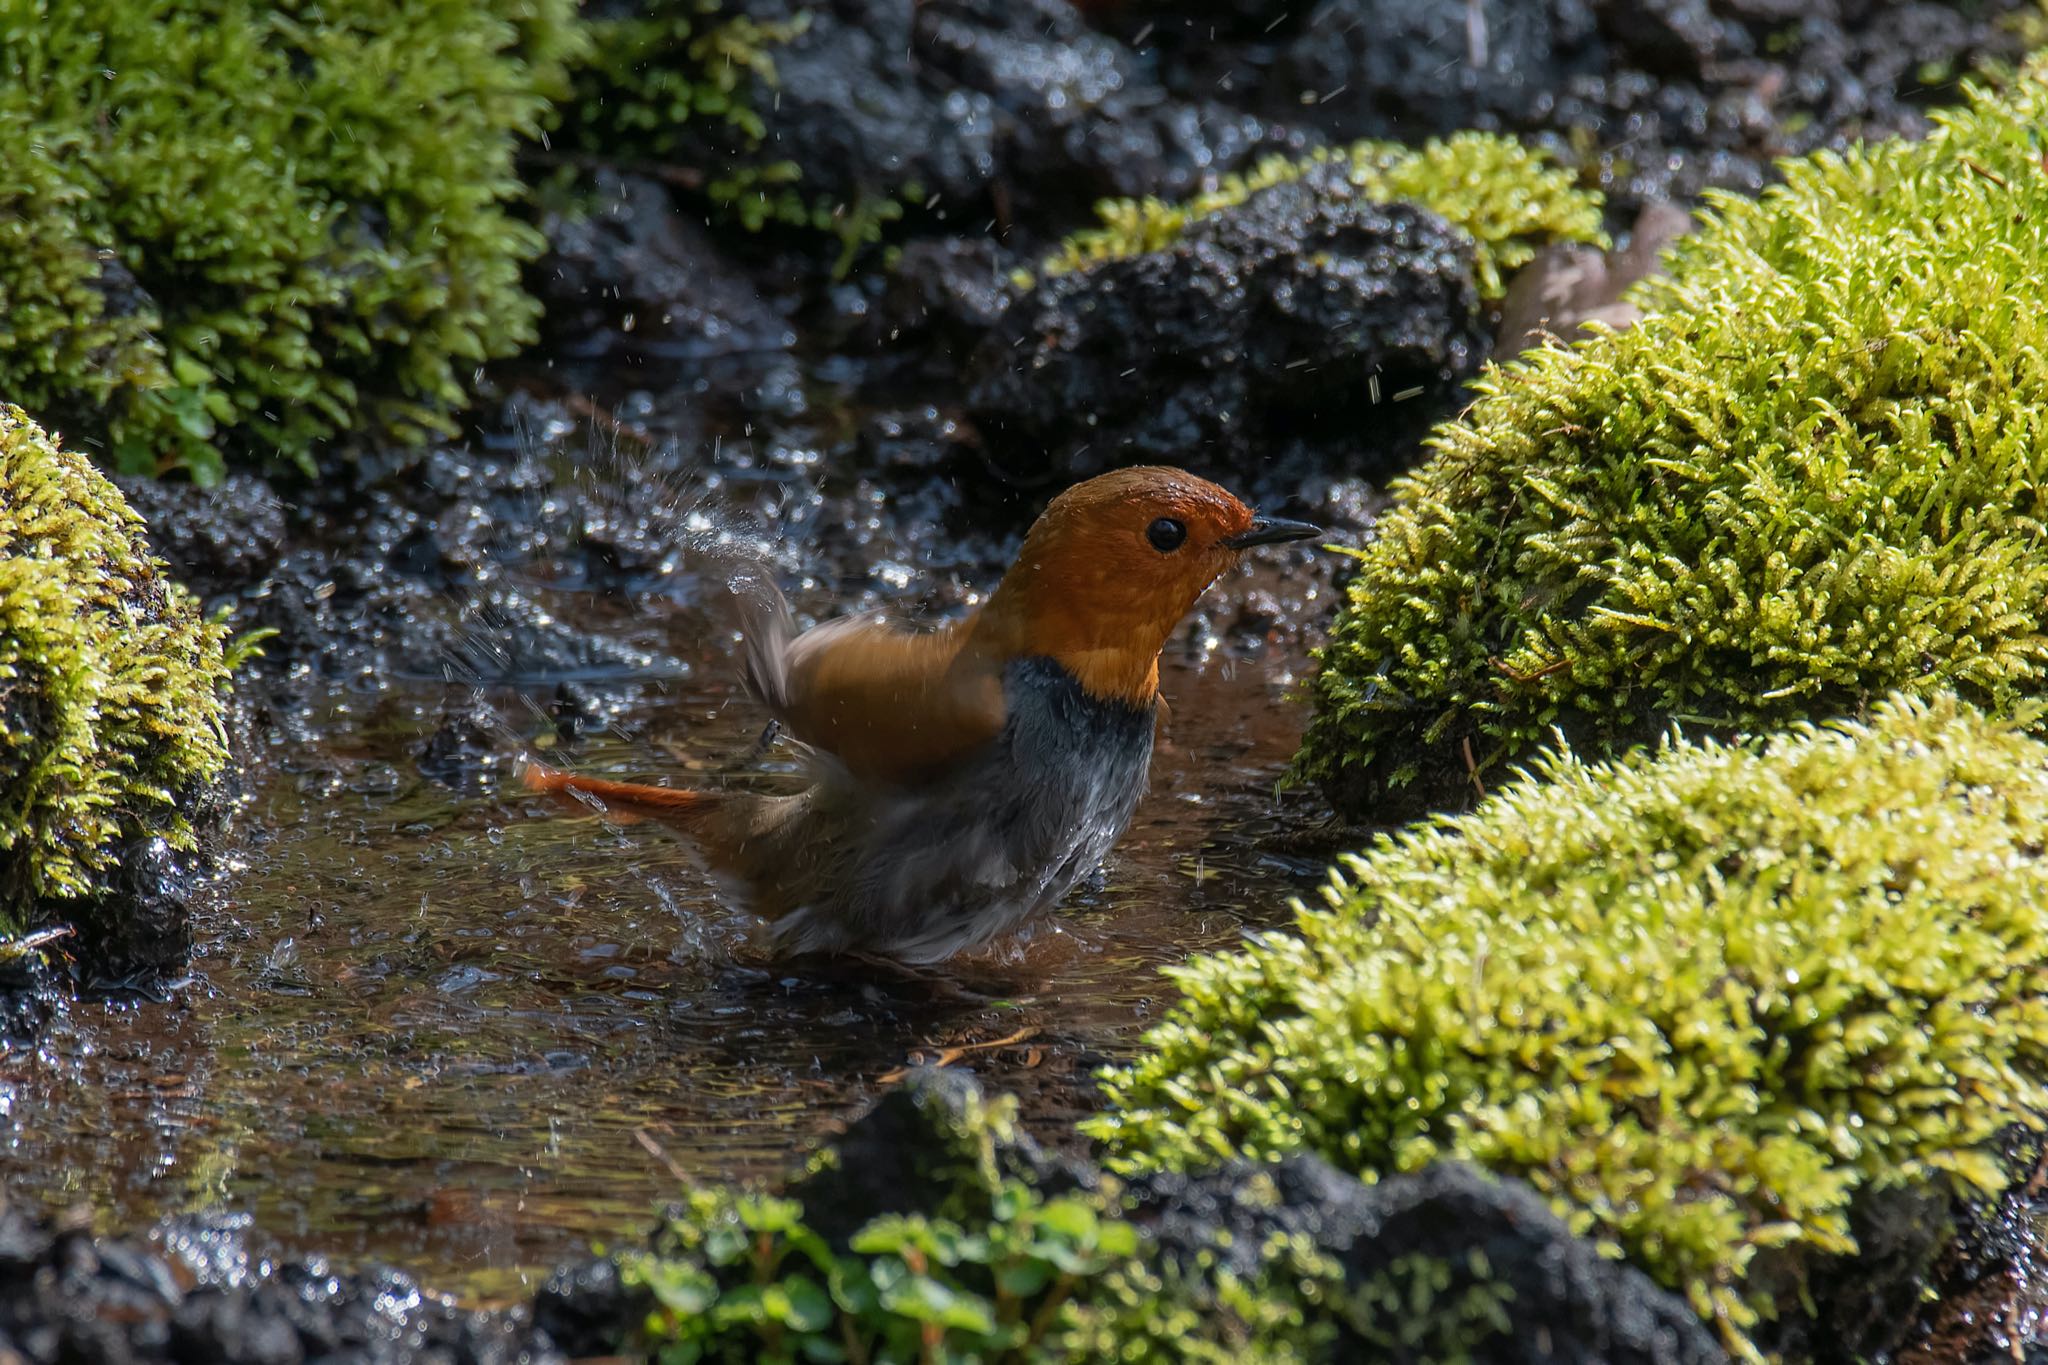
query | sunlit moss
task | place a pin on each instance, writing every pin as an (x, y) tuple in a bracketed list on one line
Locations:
[(111, 685), (239, 227), (1700, 999), (1508, 198), (1817, 472)]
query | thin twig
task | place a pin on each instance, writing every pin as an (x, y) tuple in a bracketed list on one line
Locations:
[(946, 1056)]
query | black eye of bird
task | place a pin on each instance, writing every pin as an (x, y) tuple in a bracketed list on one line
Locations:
[(1166, 534)]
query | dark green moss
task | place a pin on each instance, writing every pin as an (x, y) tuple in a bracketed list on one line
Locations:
[(242, 228), (661, 67)]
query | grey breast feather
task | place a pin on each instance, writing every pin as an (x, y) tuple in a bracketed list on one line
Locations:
[(957, 861)]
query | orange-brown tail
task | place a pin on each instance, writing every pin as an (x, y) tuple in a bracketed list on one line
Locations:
[(624, 802)]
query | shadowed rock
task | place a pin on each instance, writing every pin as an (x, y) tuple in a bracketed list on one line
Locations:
[(1305, 320)]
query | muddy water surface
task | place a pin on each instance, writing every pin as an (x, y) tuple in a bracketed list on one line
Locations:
[(446, 1029)]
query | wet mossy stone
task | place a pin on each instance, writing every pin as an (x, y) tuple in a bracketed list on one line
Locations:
[(1306, 326), (1510, 199), (1707, 1001), (935, 1229), (112, 693), (240, 228), (1817, 472)]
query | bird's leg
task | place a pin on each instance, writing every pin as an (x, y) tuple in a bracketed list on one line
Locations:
[(942, 984)]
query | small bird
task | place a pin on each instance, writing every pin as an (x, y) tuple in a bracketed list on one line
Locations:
[(961, 780)]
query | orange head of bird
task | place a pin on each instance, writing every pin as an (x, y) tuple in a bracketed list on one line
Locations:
[(1113, 565)]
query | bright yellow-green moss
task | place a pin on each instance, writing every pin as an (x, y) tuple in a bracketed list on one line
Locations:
[(1700, 999), (111, 685), (1816, 473), (238, 226), (1508, 198)]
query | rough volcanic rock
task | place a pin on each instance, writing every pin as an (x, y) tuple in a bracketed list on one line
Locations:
[(632, 272), (1411, 69), (943, 297), (192, 1295), (1676, 95), (1303, 320), (976, 112)]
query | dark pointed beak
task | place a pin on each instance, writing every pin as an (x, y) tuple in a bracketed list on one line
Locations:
[(1271, 531)]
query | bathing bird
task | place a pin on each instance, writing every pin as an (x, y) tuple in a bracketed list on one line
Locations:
[(960, 780)]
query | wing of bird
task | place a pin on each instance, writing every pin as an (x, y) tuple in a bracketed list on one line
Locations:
[(891, 703)]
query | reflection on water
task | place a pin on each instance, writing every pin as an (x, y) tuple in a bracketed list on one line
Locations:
[(441, 1030)]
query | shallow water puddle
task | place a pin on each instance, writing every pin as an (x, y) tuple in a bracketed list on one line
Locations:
[(440, 1030)]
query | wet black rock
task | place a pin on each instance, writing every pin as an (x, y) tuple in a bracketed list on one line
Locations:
[(1674, 38), (1075, 117), (942, 298), (398, 566), (850, 109), (1671, 96), (586, 1309), (140, 926), (902, 1157), (629, 271), (216, 538), (1480, 1235), (467, 748), (973, 114), (911, 440), (192, 1295), (30, 996), (1411, 69), (1990, 1299), (1304, 321)]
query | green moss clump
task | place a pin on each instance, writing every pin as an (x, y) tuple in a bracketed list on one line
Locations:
[(1816, 473), (240, 227), (1700, 999), (111, 685), (1508, 198), (662, 67)]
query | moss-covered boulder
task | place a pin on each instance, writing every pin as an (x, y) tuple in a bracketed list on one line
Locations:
[(1817, 472), (1704, 1000), (236, 227), (1313, 314), (1510, 199), (936, 1230), (112, 686)]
